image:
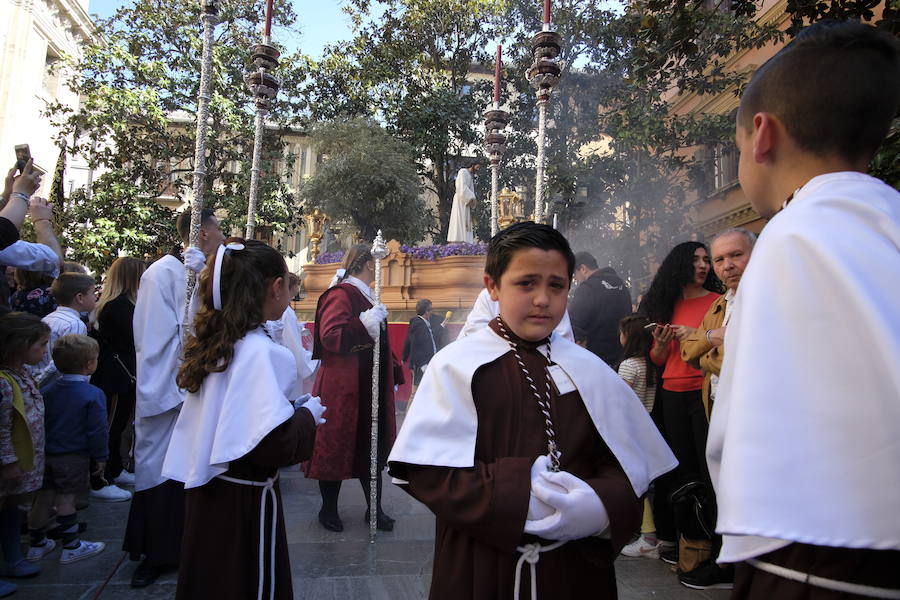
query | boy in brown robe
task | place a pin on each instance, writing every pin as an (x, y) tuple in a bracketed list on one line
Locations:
[(527, 447)]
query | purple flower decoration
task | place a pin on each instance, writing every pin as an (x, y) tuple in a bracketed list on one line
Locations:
[(330, 258), (435, 252)]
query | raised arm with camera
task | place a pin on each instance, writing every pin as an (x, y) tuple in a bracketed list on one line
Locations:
[(16, 193)]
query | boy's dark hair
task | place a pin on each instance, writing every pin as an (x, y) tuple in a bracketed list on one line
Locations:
[(836, 89), (638, 341), (69, 285), (19, 330), (587, 259), (183, 222), (521, 236), (71, 353), (423, 306)]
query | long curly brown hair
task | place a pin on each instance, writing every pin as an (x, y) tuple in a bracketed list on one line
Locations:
[(246, 275)]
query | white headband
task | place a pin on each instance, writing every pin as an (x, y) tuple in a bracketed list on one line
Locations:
[(217, 273)]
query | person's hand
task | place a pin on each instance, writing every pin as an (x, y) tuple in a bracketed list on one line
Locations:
[(194, 259), (11, 471), (314, 406), (537, 508), (682, 331), (29, 181), (716, 337), (8, 183), (579, 512), (101, 466), (39, 209), (663, 334), (372, 319)]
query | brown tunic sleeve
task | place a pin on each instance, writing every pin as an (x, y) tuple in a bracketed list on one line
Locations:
[(288, 444), (614, 489), (488, 502)]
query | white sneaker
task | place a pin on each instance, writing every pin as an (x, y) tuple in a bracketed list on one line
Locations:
[(124, 478), (84, 550), (641, 548), (36, 553), (111, 493)]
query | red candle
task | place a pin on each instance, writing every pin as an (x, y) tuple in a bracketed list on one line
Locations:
[(497, 75), (269, 18), (546, 12)]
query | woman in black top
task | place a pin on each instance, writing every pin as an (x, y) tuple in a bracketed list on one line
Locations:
[(116, 366)]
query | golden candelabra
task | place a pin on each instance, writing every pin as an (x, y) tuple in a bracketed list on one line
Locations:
[(315, 228)]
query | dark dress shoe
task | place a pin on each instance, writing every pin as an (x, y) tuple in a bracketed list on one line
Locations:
[(383, 522), (331, 522), (145, 574)]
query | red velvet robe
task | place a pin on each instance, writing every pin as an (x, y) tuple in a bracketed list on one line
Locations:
[(344, 383)]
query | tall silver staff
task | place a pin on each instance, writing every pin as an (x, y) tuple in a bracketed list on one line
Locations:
[(495, 121), (379, 251), (208, 18), (543, 75), (264, 86)]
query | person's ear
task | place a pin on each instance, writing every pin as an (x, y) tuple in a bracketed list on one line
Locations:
[(492, 286), (277, 288), (765, 136)]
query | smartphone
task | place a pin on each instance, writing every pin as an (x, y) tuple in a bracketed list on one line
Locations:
[(649, 325), (23, 155)]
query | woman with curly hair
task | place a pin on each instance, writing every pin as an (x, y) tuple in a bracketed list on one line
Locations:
[(239, 423), (681, 292)]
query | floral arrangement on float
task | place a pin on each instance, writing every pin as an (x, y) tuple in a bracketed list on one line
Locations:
[(450, 275)]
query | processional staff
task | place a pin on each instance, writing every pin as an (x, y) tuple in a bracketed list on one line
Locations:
[(210, 11), (379, 251), (264, 87), (543, 75)]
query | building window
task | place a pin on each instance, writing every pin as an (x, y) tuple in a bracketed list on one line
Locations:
[(51, 73), (725, 165)]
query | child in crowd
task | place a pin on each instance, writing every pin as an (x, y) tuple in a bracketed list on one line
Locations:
[(23, 340), (638, 372), (526, 446), (803, 443), (75, 425), (237, 426), (74, 293)]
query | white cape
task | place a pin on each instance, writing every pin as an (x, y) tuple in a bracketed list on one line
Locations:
[(460, 229), (292, 339), (233, 411), (485, 310), (804, 443), (441, 425)]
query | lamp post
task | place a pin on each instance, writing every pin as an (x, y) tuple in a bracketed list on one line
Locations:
[(495, 120), (543, 76), (315, 228)]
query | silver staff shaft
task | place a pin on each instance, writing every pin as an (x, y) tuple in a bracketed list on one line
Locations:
[(206, 66), (541, 160), (495, 186), (379, 251), (254, 170)]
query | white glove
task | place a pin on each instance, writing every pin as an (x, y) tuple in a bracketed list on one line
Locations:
[(313, 405), (275, 329), (579, 511), (372, 319), (194, 259), (538, 509)]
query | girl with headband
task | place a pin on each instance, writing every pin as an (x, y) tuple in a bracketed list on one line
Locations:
[(237, 426)]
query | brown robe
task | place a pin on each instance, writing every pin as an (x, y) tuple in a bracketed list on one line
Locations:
[(481, 511), (220, 548)]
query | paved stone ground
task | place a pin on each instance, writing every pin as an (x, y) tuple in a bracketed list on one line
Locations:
[(327, 566)]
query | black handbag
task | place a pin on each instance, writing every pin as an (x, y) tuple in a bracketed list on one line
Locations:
[(694, 506)]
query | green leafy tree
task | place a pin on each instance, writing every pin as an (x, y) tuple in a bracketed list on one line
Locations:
[(368, 179), (408, 66), (136, 126)]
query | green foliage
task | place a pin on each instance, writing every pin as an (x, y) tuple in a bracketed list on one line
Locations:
[(368, 179), (137, 122)]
